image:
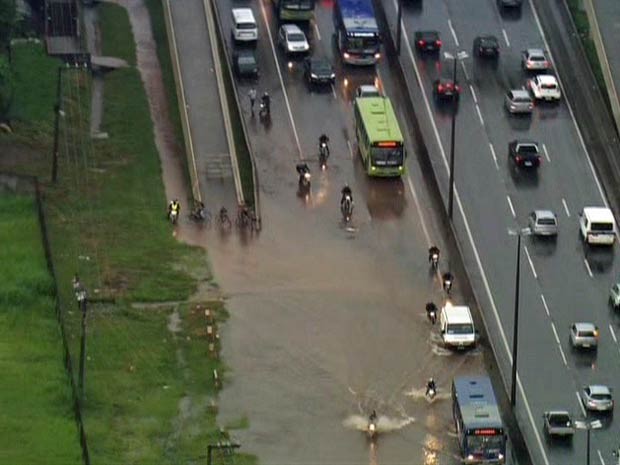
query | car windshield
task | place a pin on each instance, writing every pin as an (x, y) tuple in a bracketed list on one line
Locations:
[(550, 86), (480, 444), (369, 44), (602, 227), (522, 99), (528, 149), (559, 420), (587, 333), (296, 37), (247, 60), (601, 396), (321, 67), (488, 42), (459, 328), (537, 58)]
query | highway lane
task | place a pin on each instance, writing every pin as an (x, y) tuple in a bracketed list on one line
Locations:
[(347, 306), (568, 164)]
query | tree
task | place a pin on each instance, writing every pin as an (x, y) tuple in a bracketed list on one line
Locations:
[(6, 88), (8, 19)]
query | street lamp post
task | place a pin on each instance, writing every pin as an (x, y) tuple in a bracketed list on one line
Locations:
[(459, 56), (515, 329), (588, 425), (399, 16)]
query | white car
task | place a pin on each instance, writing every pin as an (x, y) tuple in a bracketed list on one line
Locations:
[(544, 87), (292, 39)]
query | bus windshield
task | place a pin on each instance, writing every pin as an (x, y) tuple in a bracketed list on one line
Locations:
[(387, 156), (298, 4), (363, 44), (484, 444)]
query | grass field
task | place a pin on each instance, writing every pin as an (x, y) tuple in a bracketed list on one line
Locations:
[(36, 419)]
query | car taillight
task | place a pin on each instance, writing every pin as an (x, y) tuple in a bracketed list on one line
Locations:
[(458, 89), (518, 159), (438, 43), (440, 87), (421, 43)]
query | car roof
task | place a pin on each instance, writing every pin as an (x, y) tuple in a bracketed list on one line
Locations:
[(599, 389), (244, 52), (557, 412), (520, 93), (488, 37), (584, 326), (598, 214), (545, 214), (546, 79), (458, 314), (291, 28), (242, 14)]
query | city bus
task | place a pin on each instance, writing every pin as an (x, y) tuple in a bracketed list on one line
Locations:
[(379, 140), (479, 427), (357, 32), (294, 10)]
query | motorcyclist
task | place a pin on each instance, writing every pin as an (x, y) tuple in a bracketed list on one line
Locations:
[(448, 280), (302, 169), (431, 386), (431, 309), (346, 192), (323, 139), (266, 103), (174, 206), (433, 250), (199, 212), (373, 416)]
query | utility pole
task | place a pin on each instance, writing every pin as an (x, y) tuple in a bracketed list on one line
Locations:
[(227, 447), (57, 110), (82, 299), (515, 330), (399, 27)]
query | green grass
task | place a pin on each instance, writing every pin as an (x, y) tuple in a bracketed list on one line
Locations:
[(117, 38), (36, 418)]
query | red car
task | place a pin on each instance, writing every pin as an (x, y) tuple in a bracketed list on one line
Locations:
[(446, 89)]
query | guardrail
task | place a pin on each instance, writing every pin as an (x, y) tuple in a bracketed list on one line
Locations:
[(220, 34)]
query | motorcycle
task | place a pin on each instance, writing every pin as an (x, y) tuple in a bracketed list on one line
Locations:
[(447, 285), (432, 316), (304, 179), (372, 428), (435, 260), (173, 216), (323, 155), (431, 392), (346, 208)]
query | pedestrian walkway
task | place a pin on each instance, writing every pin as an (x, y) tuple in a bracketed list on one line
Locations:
[(604, 18)]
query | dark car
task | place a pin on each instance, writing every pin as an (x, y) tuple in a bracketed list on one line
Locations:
[(486, 46), (516, 4), (427, 41), (245, 64), (318, 71), (524, 153), (446, 89)]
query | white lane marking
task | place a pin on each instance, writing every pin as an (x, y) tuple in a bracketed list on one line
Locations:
[(350, 148), (493, 155), (512, 209), (585, 260), (470, 237), (334, 91), (505, 37), (613, 333), (316, 29), (544, 301), (286, 101), (557, 339), (583, 409), (565, 207), (419, 210), (529, 259), (546, 153), (570, 108), (480, 115), (456, 39), (473, 93), (600, 456)]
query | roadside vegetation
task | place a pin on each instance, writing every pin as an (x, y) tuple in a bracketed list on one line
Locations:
[(35, 394), (149, 390)]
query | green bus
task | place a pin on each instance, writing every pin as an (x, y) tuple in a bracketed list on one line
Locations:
[(379, 140), (294, 10)]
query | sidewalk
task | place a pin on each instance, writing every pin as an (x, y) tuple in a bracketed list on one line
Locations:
[(604, 19)]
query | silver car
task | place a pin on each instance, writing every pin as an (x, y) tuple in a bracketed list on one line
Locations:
[(614, 296), (597, 397), (518, 101), (543, 223), (534, 59), (558, 423), (584, 335)]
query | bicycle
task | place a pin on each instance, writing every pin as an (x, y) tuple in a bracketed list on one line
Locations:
[(223, 220), (202, 216)]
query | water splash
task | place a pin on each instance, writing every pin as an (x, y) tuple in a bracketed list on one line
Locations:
[(385, 424), (419, 394)]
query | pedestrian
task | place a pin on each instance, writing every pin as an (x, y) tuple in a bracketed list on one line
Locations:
[(252, 95)]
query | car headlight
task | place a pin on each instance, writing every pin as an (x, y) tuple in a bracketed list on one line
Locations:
[(313, 76), (346, 55), (333, 76)]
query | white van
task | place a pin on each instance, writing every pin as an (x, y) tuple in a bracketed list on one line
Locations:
[(244, 27), (457, 326), (597, 225)]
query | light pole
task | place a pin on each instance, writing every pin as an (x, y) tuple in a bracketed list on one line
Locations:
[(588, 425), (515, 328), (82, 298), (399, 16), (448, 56)]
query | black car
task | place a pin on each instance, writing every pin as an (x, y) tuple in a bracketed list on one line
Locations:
[(524, 153), (486, 46), (427, 41), (318, 71), (516, 4), (245, 64)]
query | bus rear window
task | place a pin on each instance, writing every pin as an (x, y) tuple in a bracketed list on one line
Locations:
[(602, 227)]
